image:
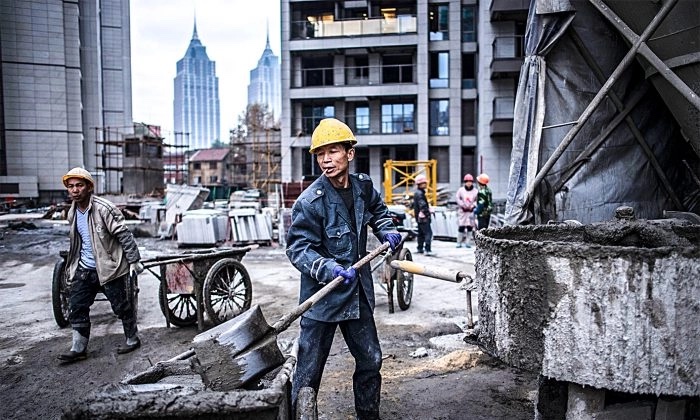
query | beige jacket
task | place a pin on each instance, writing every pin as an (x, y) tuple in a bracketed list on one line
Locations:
[(113, 245)]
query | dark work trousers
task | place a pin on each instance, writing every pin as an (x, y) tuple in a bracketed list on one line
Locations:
[(425, 236), (483, 221), (315, 340), (84, 288)]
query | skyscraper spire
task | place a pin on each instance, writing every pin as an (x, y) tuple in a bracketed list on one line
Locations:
[(267, 42), (194, 32)]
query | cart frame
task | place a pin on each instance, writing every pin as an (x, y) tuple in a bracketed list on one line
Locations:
[(209, 280)]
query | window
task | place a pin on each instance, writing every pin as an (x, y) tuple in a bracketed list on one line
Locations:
[(441, 154), (469, 117), (317, 71), (439, 117), (439, 69), (397, 118), (213, 179), (438, 18), (397, 68), (213, 165), (468, 23), (362, 160), (197, 165), (313, 114), (469, 71), (151, 150), (9, 188), (132, 148), (362, 120)]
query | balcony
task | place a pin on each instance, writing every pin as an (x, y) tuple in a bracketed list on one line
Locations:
[(508, 56), (504, 10), (354, 76), (502, 120), (312, 28)]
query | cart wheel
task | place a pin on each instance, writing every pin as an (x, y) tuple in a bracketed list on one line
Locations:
[(227, 290), (59, 294), (181, 310), (404, 282)]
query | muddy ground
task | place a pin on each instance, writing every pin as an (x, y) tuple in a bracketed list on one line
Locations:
[(453, 380)]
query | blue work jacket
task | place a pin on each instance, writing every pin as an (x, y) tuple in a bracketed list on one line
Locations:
[(320, 237)]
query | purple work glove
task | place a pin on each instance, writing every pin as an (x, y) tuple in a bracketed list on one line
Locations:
[(348, 275), (394, 240)]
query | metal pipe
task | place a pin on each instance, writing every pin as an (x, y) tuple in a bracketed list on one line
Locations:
[(647, 53)]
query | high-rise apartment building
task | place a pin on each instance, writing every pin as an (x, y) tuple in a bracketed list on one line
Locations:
[(414, 79), (196, 99), (65, 88), (264, 87)]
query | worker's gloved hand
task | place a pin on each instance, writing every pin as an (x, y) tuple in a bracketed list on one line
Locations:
[(348, 275), (394, 240), (135, 268)]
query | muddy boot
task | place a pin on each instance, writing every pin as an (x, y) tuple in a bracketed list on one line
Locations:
[(132, 343), (78, 351)]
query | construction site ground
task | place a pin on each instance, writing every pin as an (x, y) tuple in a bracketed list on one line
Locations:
[(429, 372)]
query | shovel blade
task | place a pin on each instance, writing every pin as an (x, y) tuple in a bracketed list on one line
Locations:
[(236, 334), (246, 368), (237, 352)]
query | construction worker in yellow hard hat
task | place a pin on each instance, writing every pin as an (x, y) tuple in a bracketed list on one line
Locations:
[(327, 235), (103, 257), (330, 131)]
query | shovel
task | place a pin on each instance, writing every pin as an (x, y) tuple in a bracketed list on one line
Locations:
[(245, 348)]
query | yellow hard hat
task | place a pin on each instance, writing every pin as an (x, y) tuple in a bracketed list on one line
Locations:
[(330, 131), (77, 173)]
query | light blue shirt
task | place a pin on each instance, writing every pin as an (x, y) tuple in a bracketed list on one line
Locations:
[(87, 258)]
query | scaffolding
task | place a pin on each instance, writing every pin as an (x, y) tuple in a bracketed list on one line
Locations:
[(127, 163)]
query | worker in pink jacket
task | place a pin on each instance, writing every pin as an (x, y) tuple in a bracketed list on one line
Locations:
[(466, 200)]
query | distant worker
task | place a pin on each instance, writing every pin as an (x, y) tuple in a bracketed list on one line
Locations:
[(466, 201), (421, 211), (484, 202), (327, 235), (103, 256)]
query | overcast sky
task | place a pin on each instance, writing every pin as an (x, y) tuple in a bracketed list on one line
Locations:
[(234, 34)]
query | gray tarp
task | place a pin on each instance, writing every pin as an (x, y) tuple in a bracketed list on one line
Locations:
[(605, 165)]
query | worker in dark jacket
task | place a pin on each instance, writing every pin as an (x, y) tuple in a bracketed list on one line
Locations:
[(328, 233), (103, 256), (484, 202), (421, 211)]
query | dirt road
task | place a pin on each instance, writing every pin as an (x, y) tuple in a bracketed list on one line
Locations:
[(451, 381)]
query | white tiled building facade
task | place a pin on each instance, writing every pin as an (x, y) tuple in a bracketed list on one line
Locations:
[(65, 73)]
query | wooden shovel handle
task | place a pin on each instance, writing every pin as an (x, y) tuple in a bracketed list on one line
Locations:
[(287, 320)]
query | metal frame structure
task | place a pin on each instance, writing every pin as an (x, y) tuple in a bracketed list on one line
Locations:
[(406, 172), (638, 49)]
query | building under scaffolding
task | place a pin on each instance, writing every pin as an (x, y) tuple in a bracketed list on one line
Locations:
[(257, 159), (132, 163)]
